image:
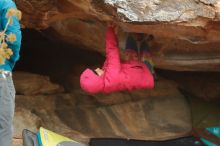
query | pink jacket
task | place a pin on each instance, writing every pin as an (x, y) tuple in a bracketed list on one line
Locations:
[(117, 76)]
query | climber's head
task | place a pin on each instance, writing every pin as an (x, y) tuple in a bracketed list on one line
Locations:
[(91, 82)]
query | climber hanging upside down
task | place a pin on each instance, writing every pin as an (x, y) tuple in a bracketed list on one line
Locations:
[(116, 75)]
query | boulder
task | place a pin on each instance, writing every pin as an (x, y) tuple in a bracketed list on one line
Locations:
[(186, 32), (160, 114), (25, 119), (32, 84), (42, 108)]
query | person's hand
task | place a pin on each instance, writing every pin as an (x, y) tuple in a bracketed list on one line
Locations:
[(111, 24), (114, 26), (99, 71)]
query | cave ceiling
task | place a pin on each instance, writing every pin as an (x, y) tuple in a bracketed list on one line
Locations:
[(186, 32)]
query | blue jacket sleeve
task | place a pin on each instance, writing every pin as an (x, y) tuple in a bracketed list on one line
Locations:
[(13, 28)]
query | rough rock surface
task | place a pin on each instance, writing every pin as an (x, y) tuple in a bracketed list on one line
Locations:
[(186, 31), (42, 14), (205, 85), (43, 107), (159, 114), (87, 34), (25, 120), (149, 119), (32, 84), (164, 11), (17, 142)]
